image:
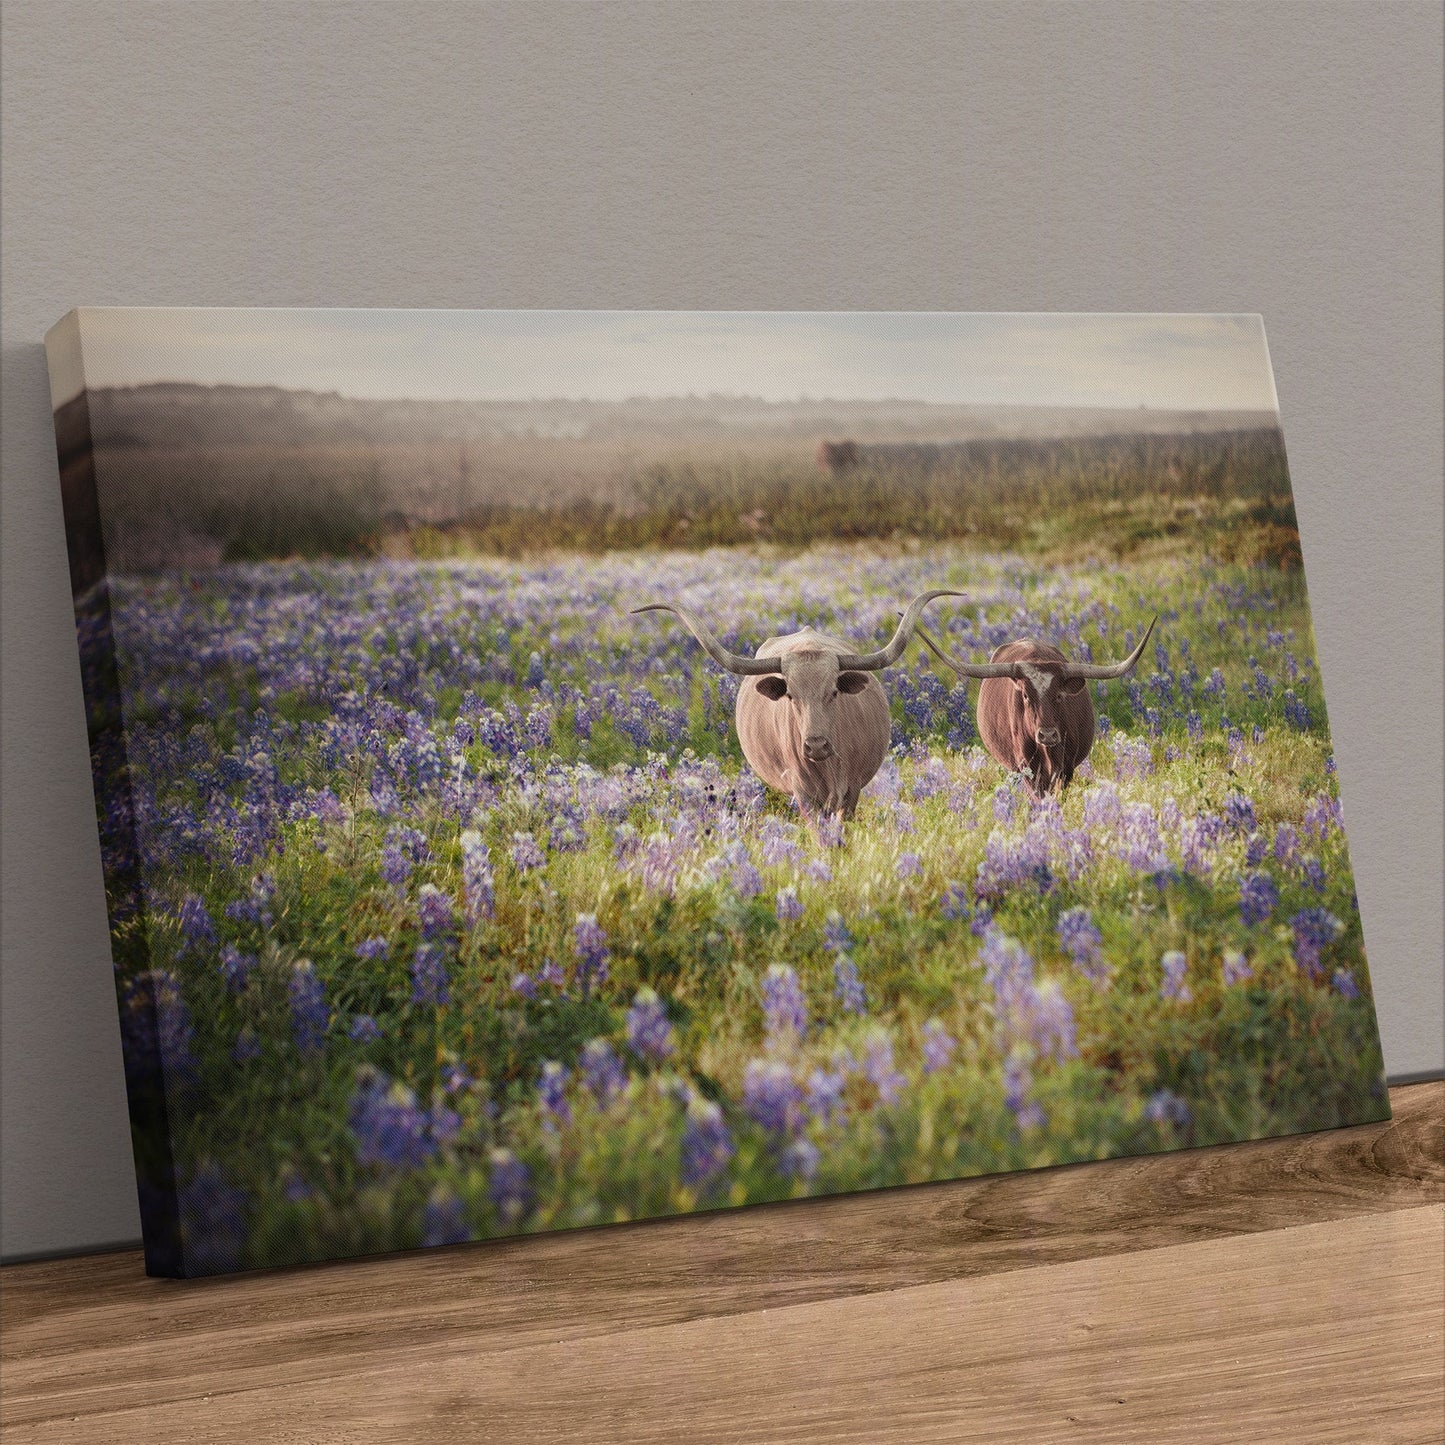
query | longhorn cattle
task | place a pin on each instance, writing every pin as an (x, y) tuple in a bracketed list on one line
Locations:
[(812, 719), (1034, 711), (835, 457)]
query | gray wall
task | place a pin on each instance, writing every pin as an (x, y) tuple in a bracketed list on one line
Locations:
[(1279, 158)]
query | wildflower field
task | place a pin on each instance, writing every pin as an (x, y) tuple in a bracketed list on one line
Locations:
[(445, 906)]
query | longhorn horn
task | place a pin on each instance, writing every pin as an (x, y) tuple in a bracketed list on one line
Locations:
[(732, 661), (969, 669), (1106, 670), (887, 656)]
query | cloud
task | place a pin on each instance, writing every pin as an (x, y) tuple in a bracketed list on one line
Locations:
[(1073, 360)]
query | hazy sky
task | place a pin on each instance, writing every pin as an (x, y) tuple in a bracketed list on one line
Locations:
[(1064, 360)]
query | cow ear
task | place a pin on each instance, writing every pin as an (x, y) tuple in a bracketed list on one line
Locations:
[(772, 686), (1073, 686), (852, 681)]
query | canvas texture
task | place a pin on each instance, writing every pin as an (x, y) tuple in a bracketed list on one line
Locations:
[(556, 769)]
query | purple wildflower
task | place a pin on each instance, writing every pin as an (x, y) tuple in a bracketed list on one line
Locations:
[(1167, 1109), (938, 1047), (198, 932), (879, 1067), (589, 943), (433, 911), (602, 1072), (363, 1029), (525, 984), (156, 1031), (847, 986), (372, 949), (649, 1035), (390, 1130), (1081, 940), (785, 1009), (836, 937), (1314, 929), (212, 1222), (1017, 1086), (443, 1220), (1239, 813), (1258, 898), (707, 1143), (510, 1187), (788, 907), (824, 1100), (771, 1096), (310, 1015), (430, 982), (954, 903), (477, 881), (1172, 985), (1235, 968), (1343, 983), (236, 967), (527, 853), (552, 1092)]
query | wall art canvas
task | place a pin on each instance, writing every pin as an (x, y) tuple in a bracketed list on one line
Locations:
[(558, 768)]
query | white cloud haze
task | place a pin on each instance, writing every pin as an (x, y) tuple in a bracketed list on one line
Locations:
[(1189, 362)]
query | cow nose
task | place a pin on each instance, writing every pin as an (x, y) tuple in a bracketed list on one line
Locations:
[(1047, 737), (817, 747)]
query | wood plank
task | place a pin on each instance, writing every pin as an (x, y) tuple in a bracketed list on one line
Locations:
[(93, 1338), (1328, 1332)]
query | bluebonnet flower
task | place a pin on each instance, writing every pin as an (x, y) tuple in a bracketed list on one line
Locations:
[(433, 911), (589, 943), (879, 1068), (836, 937), (390, 1129), (236, 967), (1214, 686), (526, 853), (785, 1008), (551, 973), (525, 984), (510, 1187), (649, 1035), (156, 1030), (1286, 844), (824, 1097), (799, 1158), (1321, 815), (909, 865), (1017, 1092), (1239, 813), (363, 1029), (372, 949), (1296, 714), (430, 982), (1172, 985), (707, 1143), (477, 882), (1081, 940), (1255, 849), (1343, 982), (198, 932), (212, 1222), (954, 903), (443, 1220), (552, 1092), (1314, 929), (1235, 968), (788, 907), (1314, 874), (771, 1096), (847, 986), (746, 880), (247, 1046), (1258, 898), (938, 1047), (818, 870), (1166, 1108), (310, 1016), (602, 1072)]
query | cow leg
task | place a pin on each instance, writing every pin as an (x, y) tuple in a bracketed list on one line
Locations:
[(850, 804)]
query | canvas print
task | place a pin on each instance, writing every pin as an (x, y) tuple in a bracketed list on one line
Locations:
[(555, 769)]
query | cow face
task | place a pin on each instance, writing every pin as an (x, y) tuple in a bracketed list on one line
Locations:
[(810, 684), (1042, 690)]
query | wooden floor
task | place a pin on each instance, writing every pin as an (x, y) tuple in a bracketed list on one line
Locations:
[(1282, 1291)]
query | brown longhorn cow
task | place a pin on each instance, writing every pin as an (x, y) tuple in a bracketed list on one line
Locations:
[(1034, 711), (836, 457), (812, 720)]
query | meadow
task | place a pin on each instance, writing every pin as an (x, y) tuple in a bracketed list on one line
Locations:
[(444, 905)]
